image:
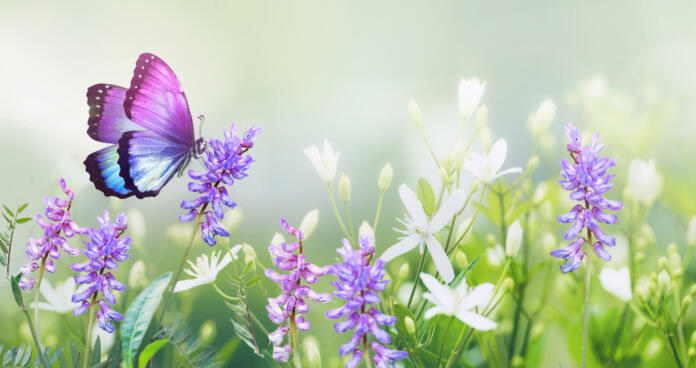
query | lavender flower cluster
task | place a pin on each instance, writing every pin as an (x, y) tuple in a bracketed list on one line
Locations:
[(586, 176), (56, 227), (106, 248), (291, 302), (225, 162), (359, 284)]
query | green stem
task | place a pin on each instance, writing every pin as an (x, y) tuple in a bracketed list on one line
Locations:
[(366, 353), (416, 280), (9, 246), (379, 210), (36, 295), (88, 339), (427, 143), (444, 338), (350, 220), (172, 283), (473, 219), (338, 216), (35, 336), (256, 320), (295, 344)]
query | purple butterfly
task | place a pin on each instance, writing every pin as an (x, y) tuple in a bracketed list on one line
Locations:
[(149, 127)]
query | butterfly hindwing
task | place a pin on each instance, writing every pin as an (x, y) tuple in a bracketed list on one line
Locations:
[(148, 161), (156, 101), (104, 172), (107, 117)]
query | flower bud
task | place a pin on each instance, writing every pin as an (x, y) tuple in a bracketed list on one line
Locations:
[(541, 119), (639, 256), (309, 222), (693, 338), (486, 137), (663, 282), (207, 331), (250, 260), (691, 232), (385, 177), (344, 188), (692, 352), (481, 116), (462, 230), (277, 239), (508, 285), (686, 303), (540, 192), (445, 176), (692, 291), (311, 349), (460, 258), (533, 163), (414, 112), (136, 276), (662, 263), (410, 325), (538, 330), (366, 230), (403, 271), (248, 250), (513, 240), (490, 239), (517, 361), (459, 152)]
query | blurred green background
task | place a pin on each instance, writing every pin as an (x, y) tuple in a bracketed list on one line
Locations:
[(343, 71)]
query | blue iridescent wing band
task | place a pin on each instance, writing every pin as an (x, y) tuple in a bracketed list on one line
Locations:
[(104, 172)]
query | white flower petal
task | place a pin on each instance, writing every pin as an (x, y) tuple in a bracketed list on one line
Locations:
[(442, 262), (514, 170), (403, 246), (188, 284), (430, 313), (439, 294), (479, 297), (497, 155), (617, 282), (476, 321), (413, 205), (450, 206)]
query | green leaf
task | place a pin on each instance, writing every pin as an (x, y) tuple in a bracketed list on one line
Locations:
[(62, 363), (138, 317), (23, 220), (426, 196), (401, 312), (16, 292), (96, 352), (473, 263), (22, 208), (74, 354), (9, 221), (253, 281), (8, 211), (518, 211), (150, 350)]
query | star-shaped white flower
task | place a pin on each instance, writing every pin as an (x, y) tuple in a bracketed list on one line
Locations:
[(324, 162), (470, 94), (205, 270), (59, 300), (459, 302), (419, 230), (617, 282), (485, 167)]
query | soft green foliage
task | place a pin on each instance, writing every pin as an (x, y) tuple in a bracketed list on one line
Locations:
[(187, 345)]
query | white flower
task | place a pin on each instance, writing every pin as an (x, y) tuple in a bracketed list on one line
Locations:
[(459, 301), (644, 182), (419, 230), (495, 255), (485, 167), (414, 111), (617, 282), (309, 223), (205, 270), (513, 239), (470, 93), (59, 300), (324, 162), (366, 230), (541, 119)]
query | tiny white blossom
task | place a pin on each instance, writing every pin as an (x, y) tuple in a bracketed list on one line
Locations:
[(309, 223), (470, 94), (419, 230), (486, 167), (459, 301), (513, 239), (617, 282), (366, 230), (59, 300), (325, 162), (644, 181), (205, 270)]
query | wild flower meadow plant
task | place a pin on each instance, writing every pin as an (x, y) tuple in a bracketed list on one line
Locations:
[(359, 284), (291, 303), (226, 161)]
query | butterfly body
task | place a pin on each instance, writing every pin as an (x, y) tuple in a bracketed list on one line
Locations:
[(149, 127)]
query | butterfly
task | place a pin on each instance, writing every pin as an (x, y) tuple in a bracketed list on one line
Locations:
[(149, 129)]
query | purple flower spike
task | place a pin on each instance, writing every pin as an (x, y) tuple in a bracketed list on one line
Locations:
[(225, 162), (359, 284), (56, 228), (292, 302), (586, 177), (106, 248)]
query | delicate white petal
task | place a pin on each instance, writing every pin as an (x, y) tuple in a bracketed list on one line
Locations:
[(442, 262), (430, 313), (44, 306), (496, 156), (513, 170), (439, 294), (413, 205), (450, 206), (617, 282), (479, 297), (476, 321), (188, 284), (403, 246)]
